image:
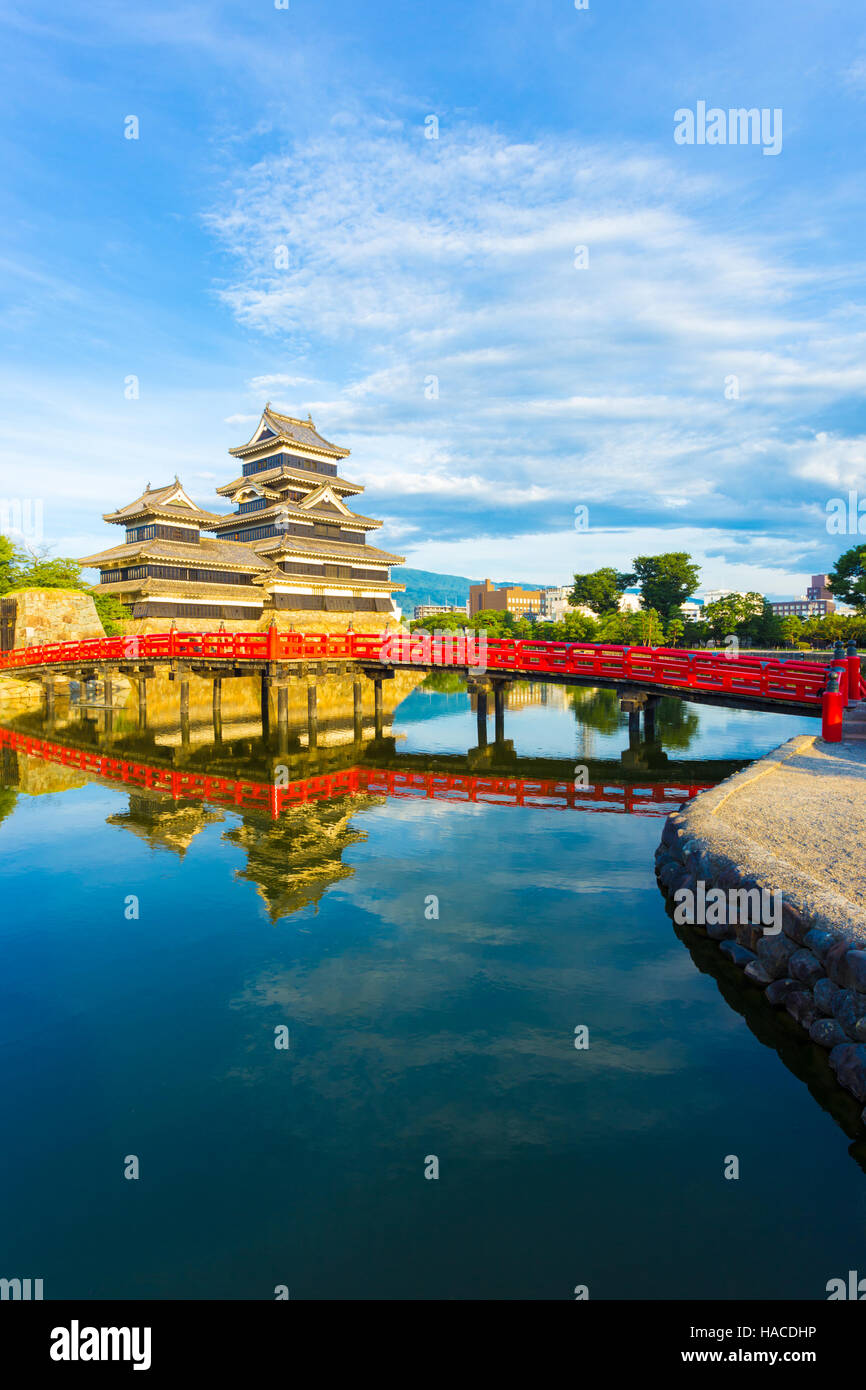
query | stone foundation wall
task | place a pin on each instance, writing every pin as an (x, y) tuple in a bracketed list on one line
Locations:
[(17, 696), (304, 620), (814, 967), (54, 615)]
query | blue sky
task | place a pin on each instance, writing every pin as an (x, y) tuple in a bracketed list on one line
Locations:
[(410, 258)]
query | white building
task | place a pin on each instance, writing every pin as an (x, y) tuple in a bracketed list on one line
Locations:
[(432, 610), (555, 604), (630, 601), (692, 610)]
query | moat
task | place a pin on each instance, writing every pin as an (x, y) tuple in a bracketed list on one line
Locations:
[(430, 948)]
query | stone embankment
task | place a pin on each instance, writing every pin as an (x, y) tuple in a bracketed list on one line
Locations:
[(793, 825)]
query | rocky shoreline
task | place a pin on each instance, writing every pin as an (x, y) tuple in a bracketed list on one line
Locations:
[(814, 966)]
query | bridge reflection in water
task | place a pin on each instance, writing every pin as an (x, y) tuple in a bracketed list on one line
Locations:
[(295, 803)]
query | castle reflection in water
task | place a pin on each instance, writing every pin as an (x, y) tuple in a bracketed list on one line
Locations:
[(292, 800)]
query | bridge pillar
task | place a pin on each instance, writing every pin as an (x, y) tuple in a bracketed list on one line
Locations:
[(266, 708), (499, 689), (481, 714), (181, 675), (218, 709), (312, 714), (649, 719), (357, 710), (377, 690), (141, 686), (48, 694)]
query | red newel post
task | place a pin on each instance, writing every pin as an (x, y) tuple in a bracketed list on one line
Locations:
[(172, 640), (854, 678), (832, 707), (273, 641)]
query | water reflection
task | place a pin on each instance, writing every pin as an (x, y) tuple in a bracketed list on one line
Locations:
[(410, 1034), (295, 804)]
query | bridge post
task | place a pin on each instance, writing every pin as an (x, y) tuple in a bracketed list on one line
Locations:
[(649, 719), (141, 687), (854, 677), (265, 707), (218, 708), (48, 693), (357, 710), (312, 713), (181, 675), (499, 689), (377, 692), (283, 714), (481, 714), (832, 708)]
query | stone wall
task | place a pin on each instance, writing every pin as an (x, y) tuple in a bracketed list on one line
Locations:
[(54, 615), (17, 696), (302, 620), (815, 966)]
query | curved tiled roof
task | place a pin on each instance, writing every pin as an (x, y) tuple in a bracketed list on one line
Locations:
[(158, 502), (231, 554), (296, 431)]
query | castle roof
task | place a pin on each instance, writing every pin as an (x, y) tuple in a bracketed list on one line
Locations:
[(268, 477), (299, 546), (198, 555), (274, 427), (320, 506), (170, 502), (237, 594)]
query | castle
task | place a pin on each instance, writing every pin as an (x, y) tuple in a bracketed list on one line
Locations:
[(292, 550)]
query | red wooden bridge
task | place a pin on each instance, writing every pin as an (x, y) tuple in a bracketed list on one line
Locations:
[(796, 686), (132, 774)]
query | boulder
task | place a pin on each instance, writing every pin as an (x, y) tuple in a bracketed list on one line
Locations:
[(827, 1032), (848, 1061)]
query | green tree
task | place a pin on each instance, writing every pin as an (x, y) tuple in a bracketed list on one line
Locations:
[(600, 590), (111, 613), (10, 558), (39, 570), (676, 628), (641, 629), (764, 628), (666, 580), (848, 578)]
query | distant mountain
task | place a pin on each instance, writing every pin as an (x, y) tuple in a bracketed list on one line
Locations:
[(424, 586)]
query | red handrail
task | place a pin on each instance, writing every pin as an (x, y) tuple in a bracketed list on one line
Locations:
[(657, 799), (755, 677)]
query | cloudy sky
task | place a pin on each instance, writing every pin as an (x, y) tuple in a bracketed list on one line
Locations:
[(284, 229)]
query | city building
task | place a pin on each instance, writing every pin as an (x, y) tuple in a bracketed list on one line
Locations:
[(630, 601), (819, 590), (713, 595), (431, 610), (818, 601), (556, 604), (692, 610), (522, 603), (803, 608), (292, 548)]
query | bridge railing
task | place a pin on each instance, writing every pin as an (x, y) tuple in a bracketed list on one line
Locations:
[(755, 677), (188, 785)]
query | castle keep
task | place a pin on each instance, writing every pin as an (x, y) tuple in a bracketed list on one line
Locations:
[(292, 548)]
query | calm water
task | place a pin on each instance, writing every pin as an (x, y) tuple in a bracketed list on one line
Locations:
[(410, 1036)]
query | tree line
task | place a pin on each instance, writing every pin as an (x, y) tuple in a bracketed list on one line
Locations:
[(36, 569), (665, 582)]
